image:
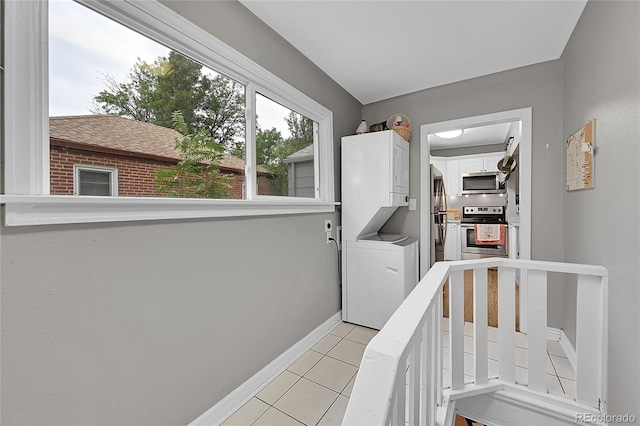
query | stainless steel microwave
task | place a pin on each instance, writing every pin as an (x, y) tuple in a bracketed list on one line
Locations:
[(482, 183)]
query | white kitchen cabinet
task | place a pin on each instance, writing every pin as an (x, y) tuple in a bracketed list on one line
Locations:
[(452, 243), (491, 162), (480, 163), (440, 163), (453, 180), (450, 174), (470, 165), (453, 168)]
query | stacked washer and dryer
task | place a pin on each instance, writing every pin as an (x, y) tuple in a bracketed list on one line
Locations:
[(379, 269)]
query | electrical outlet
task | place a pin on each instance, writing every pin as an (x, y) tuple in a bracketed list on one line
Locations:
[(328, 228)]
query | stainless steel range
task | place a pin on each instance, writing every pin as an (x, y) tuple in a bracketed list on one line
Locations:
[(483, 232)]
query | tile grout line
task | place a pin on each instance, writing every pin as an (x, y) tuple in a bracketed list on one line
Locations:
[(277, 409), (319, 384), (288, 389), (300, 377), (339, 393), (327, 410)]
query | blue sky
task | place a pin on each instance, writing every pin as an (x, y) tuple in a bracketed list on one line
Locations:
[(84, 47)]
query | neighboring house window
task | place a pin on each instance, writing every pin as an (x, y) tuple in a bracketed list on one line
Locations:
[(90, 180), (284, 165)]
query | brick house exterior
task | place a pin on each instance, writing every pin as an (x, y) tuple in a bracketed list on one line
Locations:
[(135, 149)]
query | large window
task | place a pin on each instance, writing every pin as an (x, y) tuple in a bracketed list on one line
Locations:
[(190, 118), (135, 87)]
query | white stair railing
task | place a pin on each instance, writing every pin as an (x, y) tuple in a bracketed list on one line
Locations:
[(401, 376)]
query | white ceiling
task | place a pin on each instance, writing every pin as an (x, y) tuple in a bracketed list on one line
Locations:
[(380, 49)]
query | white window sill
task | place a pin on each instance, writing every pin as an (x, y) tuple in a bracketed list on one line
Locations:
[(23, 210)]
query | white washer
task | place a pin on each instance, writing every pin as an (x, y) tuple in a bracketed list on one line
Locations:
[(380, 273)]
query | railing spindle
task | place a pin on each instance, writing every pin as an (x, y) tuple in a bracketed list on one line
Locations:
[(480, 315), (414, 380), (537, 343), (427, 377), (507, 323), (456, 328)]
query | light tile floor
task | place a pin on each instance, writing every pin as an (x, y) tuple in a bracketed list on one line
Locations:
[(315, 389), (560, 373)]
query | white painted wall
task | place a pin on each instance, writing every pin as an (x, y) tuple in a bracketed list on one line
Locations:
[(602, 81), (154, 322)]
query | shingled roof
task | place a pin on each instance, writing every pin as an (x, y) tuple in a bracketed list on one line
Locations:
[(304, 154), (113, 133)]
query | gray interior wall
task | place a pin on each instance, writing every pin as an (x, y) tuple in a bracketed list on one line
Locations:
[(154, 322), (601, 81), (536, 86)]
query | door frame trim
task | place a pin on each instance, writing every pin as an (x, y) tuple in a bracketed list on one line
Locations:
[(524, 116)]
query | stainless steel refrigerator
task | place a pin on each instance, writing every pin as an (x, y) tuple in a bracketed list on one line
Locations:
[(438, 215)]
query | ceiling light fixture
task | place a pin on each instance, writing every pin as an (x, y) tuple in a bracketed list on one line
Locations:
[(450, 134)]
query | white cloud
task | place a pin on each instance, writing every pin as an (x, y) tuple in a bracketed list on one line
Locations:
[(84, 28), (271, 114), (84, 46)]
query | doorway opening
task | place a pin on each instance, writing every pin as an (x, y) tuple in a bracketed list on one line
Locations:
[(427, 139)]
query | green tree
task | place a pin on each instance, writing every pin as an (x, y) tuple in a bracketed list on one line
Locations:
[(153, 92), (272, 149), (198, 173), (179, 87), (266, 141), (301, 128), (222, 112)]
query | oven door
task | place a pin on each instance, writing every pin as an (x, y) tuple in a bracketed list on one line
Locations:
[(470, 250)]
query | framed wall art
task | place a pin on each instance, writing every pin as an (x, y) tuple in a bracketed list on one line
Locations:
[(580, 148)]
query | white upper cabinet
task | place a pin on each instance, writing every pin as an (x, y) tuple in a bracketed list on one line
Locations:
[(491, 161), (453, 168), (442, 164), (479, 163), (470, 165), (453, 180)]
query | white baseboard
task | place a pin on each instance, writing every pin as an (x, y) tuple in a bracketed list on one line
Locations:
[(243, 393), (568, 349), (559, 335), (553, 333)]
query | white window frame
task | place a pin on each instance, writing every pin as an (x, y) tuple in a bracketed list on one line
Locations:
[(113, 177), (26, 139)]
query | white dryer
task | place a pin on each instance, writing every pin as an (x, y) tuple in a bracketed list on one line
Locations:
[(379, 270)]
